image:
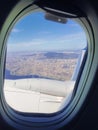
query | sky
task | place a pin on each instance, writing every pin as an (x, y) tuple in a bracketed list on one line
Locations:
[(34, 33)]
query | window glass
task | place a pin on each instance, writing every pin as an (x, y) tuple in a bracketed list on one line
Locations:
[(42, 63)]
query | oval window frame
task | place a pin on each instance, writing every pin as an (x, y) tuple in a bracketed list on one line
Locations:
[(40, 121)]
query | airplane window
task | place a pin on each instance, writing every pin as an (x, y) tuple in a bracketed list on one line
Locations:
[(42, 63)]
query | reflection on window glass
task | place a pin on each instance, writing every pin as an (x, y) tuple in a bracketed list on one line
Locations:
[(42, 63)]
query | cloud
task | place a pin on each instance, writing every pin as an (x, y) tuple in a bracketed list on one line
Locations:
[(15, 30), (29, 46), (69, 41), (75, 36), (38, 41)]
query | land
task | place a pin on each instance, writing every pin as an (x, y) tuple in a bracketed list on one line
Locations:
[(53, 65)]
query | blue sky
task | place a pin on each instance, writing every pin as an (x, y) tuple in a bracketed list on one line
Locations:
[(34, 33)]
